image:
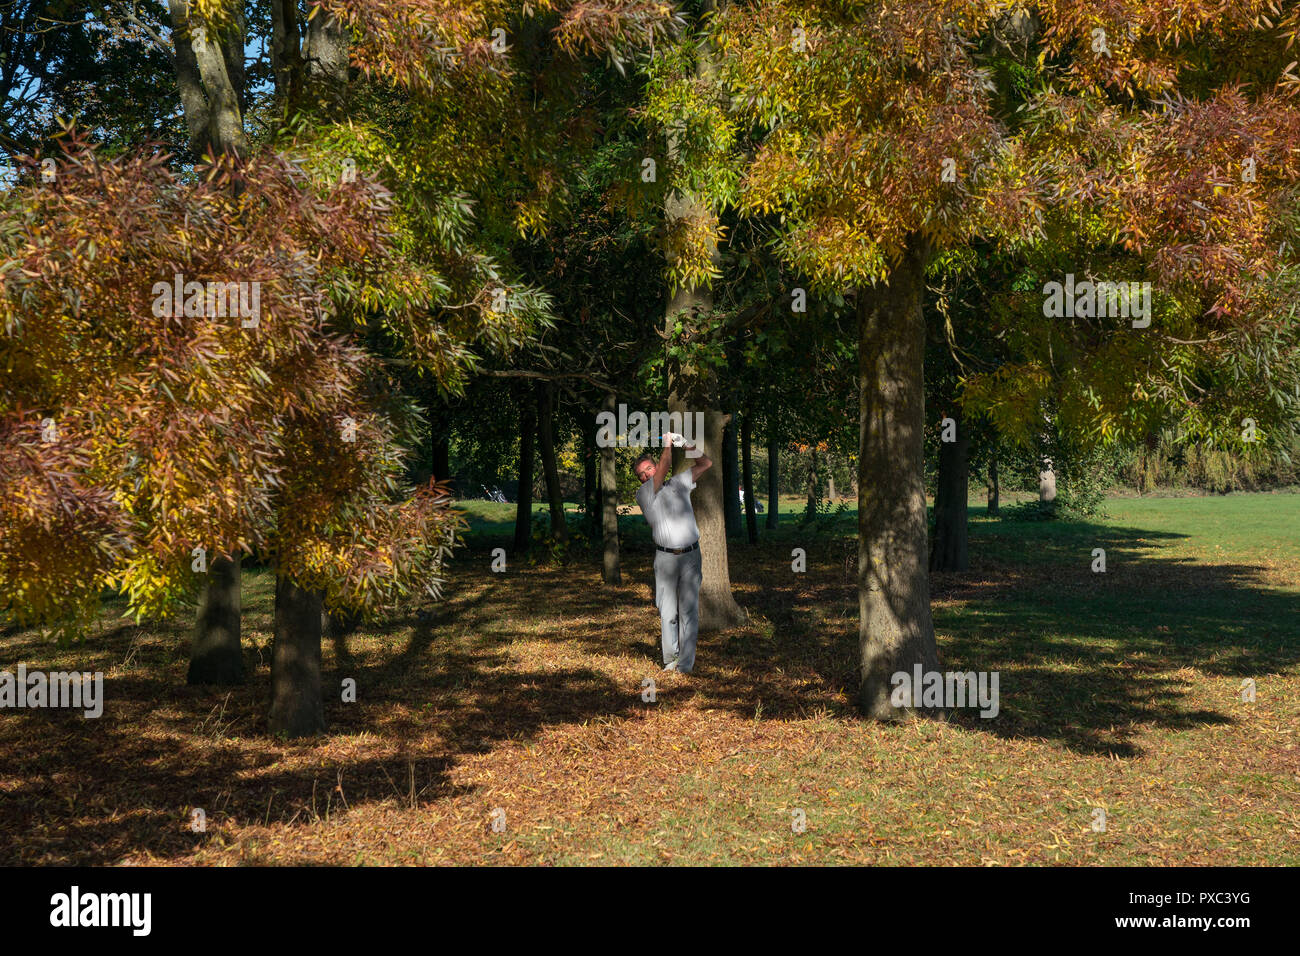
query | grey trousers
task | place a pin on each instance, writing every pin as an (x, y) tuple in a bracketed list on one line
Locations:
[(677, 595)]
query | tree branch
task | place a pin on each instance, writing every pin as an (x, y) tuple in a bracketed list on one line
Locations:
[(151, 33)]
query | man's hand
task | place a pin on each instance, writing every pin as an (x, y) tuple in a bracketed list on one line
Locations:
[(681, 441)]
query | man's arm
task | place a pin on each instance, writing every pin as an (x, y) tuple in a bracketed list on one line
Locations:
[(665, 462), (701, 466)]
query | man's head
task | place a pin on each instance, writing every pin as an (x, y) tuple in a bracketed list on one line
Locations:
[(644, 467)]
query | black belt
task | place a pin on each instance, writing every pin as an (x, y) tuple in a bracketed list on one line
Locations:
[(680, 550)]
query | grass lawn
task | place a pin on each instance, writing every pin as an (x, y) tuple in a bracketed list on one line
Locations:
[(519, 701)]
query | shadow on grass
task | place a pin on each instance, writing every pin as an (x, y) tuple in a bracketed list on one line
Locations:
[(1085, 660), (94, 791)]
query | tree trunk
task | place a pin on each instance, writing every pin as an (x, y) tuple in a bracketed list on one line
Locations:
[(690, 391), (325, 52), (731, 478), (210, 75), (441, 457), (297, 709), (895, 630), (210, 78), (327, 48), (610, 570), (948, 548), (286, 54), (524, 508), (546, 436), (718, 608), (694, 390), (811, 484), (747, 470), (215, 655), (773, 482), (994, 489), (439, 422), (590, 488)]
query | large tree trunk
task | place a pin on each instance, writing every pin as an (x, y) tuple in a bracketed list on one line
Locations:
[(550, 470), (689, 392), (610, 570), (773, 481), (524, 507), (948, 549), (747, 470), (297, 709), (325, 52), (210, 76), (694, 390), (215, 655), (731, 478), (718, 608), (895, 630)]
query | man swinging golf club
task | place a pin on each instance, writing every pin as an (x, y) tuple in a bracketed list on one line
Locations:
[(667, 509)]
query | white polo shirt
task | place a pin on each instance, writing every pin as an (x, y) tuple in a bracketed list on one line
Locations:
[(669, 513)]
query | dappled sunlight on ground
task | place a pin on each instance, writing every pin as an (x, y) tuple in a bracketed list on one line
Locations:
[(521, 700)]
